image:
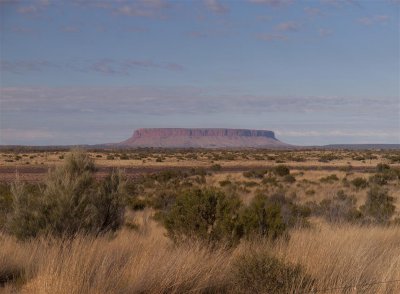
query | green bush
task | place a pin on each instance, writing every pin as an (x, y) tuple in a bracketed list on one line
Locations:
[(271, 216), (255, 173), (5, 202), (203, 214), (124, 157), (339, 209), (329, 179), (71, 202), (281, 170), (163, 199), (270, 180), (382, 167), (289, 179), (259, 272), (328, 158), (225, 183), (379, 179), (359, 183), (216, 167), (379, 206)]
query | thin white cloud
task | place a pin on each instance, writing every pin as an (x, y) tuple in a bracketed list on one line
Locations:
[(288, 26), (324, 32), (175, 100), (27, 9), (272, 37), (216, 6), (340, 133), (24, 66), (313, 11), (70, 29), (375, 19), (103, 66), (17, 135), (273, 3)]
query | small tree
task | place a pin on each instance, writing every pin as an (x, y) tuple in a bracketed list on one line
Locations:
[(203, 214), (281, 170), (359, 183), (379, 205), (340, 208), (71, 202), (263, 217)]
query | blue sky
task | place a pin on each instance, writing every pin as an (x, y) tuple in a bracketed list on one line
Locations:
[(86, 72)]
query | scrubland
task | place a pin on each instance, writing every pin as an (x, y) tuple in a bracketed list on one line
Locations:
[(288, 222)]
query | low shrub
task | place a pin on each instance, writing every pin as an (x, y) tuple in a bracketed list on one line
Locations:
[(271, 216), (379, 206), (341, 208), (225, 183), (216, 167), (379, 179), (281, 170), (329, 179), (255, 173), (382, 167), (259, 272), (204, 214), (70, 202), (5, 202), (289, 179), (359, 183)]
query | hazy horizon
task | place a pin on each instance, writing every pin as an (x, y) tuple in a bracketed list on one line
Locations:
[(91, 72)]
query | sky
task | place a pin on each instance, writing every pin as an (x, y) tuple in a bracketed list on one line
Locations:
[(89, 72)]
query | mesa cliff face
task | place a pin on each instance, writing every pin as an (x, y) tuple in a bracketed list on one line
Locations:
[(202, 138)]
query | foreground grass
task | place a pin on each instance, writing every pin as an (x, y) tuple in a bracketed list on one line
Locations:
[(147, 262)]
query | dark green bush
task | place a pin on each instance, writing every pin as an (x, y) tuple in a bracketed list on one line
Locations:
[(124, 156), (382, 167), (203, 214), (168, 175), (259, 272), (163, 199), (255, 173), (328, 158), (250, 184), (270, 180), (225, 183), (5, 202), (281, 170), (271, 216), (289, 179), (216, 167), (379, 206), (71, 202), (329, 179), (359, 183), (379, 179), (340, 208)]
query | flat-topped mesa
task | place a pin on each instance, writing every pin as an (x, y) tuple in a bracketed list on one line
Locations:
[(203, 138), (199, 132)]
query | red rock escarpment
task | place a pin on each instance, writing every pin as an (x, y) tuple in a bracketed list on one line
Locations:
[(202, 138)]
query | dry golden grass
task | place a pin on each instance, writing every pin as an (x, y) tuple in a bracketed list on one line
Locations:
[(346, 256), (148, 263)]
